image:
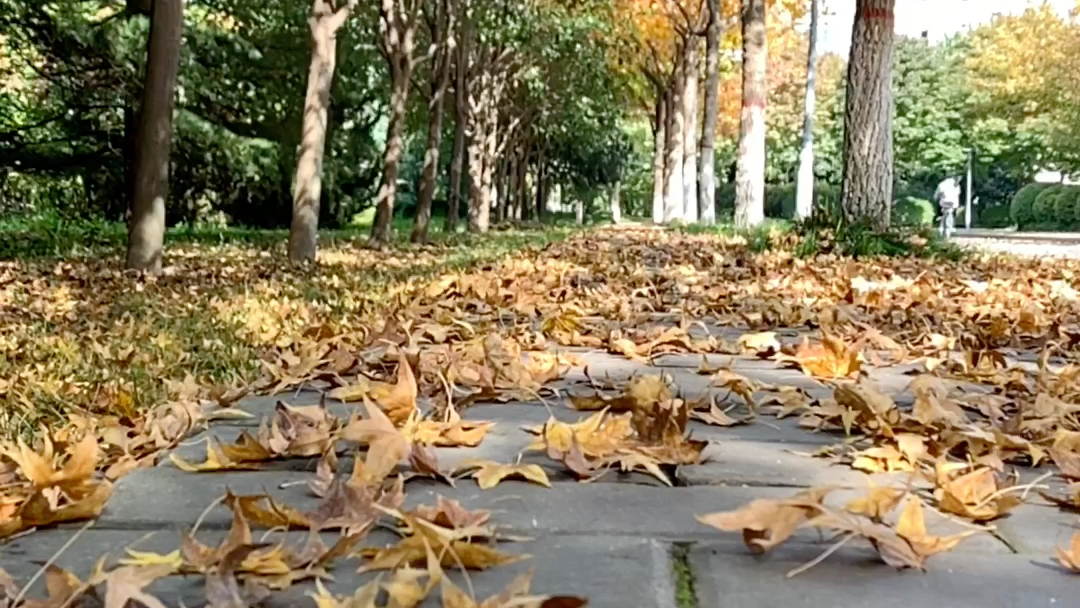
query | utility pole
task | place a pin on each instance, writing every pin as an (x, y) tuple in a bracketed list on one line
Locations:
[(967, 197)]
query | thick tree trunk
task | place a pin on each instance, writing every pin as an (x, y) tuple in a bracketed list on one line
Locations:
[(673, 165), (307, 187), (146, 229), (750, 174), (690, 138), (804, 190), (866, 194), (707, 161), (441, 26), (659, 149)]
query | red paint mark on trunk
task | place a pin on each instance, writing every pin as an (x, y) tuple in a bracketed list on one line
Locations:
[(873, 13)]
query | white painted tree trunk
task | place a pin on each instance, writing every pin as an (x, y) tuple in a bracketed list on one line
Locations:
[(689, 135), (804, 189)]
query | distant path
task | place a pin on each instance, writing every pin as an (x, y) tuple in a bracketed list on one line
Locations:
[(1034, 244)]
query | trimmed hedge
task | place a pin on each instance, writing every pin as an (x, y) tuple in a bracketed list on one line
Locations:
[(1022, 206), (1042, 210), (779, 198), (913, 211), (997, 216)]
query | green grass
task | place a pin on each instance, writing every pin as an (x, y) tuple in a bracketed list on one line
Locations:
[(685, 594)]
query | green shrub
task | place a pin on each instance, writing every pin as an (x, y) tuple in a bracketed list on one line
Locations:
[(861, 241), (997, 216), (1022, 206), (1065, 204), (1042, 211), (912, 211)]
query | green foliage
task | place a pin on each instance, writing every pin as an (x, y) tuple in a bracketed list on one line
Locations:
[(1065, 207), (860, 241), (912, 211), (997, 216), (1022, 207), (1042, 210)]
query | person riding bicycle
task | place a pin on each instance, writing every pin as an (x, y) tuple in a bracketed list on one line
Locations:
[(947, 196)]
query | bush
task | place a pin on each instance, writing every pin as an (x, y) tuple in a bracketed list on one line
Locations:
[(1042, 211), (860, 241), (997, 216), (1022, 206), (912, 211), (1065, 207)]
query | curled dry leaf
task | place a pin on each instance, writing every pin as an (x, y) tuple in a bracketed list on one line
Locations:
[(516, 595), (912, 527), (766, 523), (976, 495), (830, 359), (1069, 557)]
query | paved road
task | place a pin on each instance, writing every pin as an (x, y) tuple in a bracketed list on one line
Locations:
[(1035, 244), (623, 541)]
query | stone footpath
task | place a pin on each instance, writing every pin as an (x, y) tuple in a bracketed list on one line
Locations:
[(622, 541)]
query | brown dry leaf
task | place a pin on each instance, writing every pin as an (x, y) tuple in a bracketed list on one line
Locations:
[(975, 495), (893, 549), (830, 359), (1067, 462), (245, 454), (489, 474), (764, 343), (516, 595), (449, 513), (718, 417), (912, 527), (877, 503), (738, 384), (387, 447), (262, 510), (46, 507), (397, 400), (766, 523), (598, 435), (1069, 557), (127, 584), (39, 470), (412, 550), (301, 432), (1070, 502)]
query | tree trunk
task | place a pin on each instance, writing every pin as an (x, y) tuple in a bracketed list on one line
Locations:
[(461, 117), (541, 176), (689, 135), (579, 209), (804, 190), (616, 202), (707, 162), (522, 185), (441, 26), (673, 165), (307, 188), (146, 230), (866, 194), (398, 41), (659, 148), (750, 174)]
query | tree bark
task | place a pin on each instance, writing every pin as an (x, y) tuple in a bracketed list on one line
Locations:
[(461, 117), (307, 189), (659, 150), (689, 135), (707, 161), (441, 25), (673, 165), (866, 193), (750, 174), (616, 202), (804, 189), (146, 229), (397, 21)]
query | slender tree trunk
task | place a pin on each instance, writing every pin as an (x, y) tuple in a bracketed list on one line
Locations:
[(522, 185), (442, 24), (616, 202), (541, 176), (659, 150), (673, 166), (804, 191), (307, 188), (146, 229), (866, 194), (690, 138), (707, 162), (750, 174), (579, 209), (461, 118)]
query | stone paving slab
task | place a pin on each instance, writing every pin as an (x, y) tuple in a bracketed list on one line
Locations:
[(728, 575), (610, 572)]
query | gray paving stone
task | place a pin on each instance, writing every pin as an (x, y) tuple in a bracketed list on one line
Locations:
[(1037, 529), (764, 463), (610, 572), (727, 575)]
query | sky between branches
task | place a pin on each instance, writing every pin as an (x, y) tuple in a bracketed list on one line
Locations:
[(939, 18)]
